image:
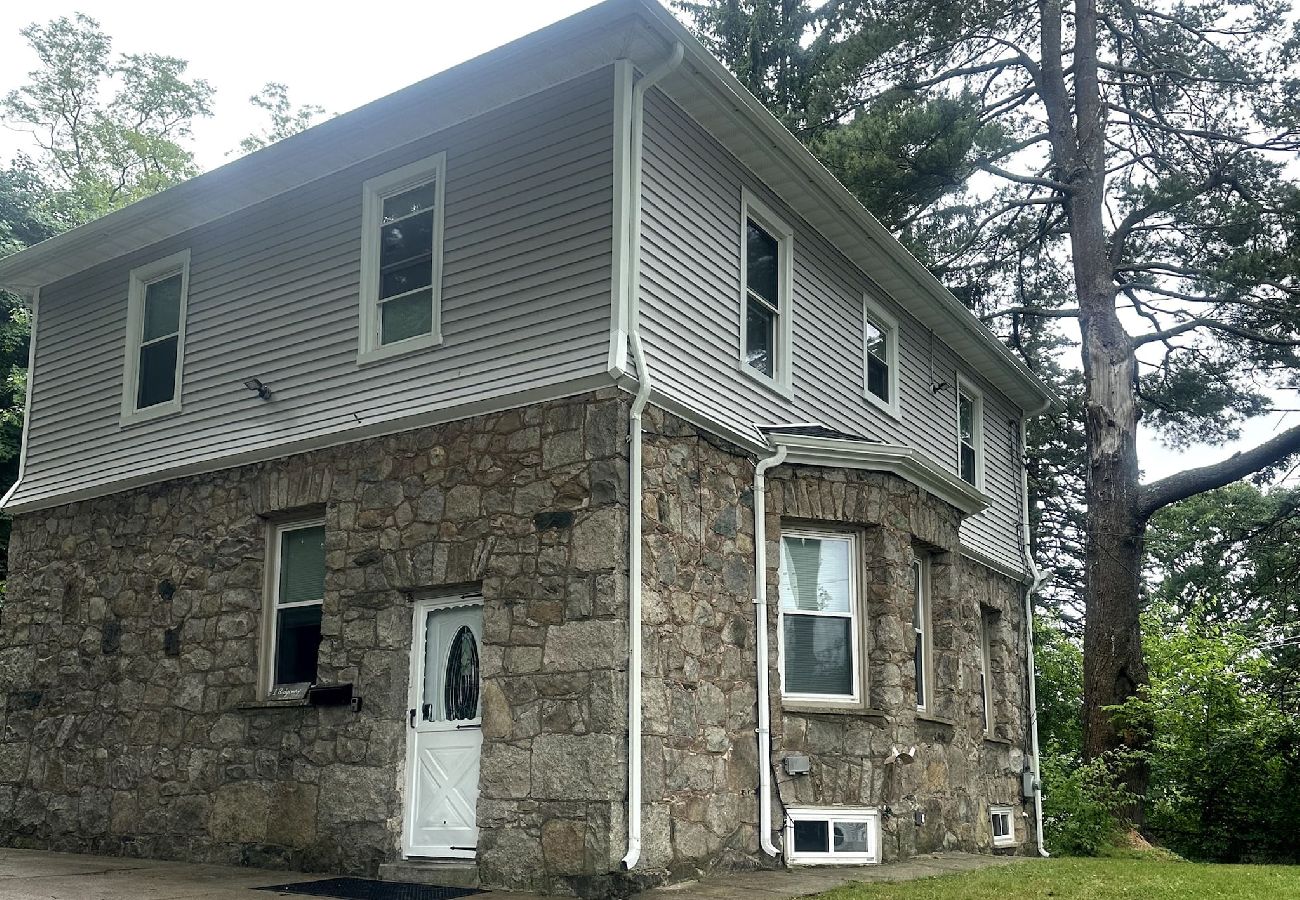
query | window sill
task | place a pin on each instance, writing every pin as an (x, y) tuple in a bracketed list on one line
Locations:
[(258, 705), (149, 413), (889, 409), (775, 386), (400, 348), (997, 741), (932, 719), (832, 709)]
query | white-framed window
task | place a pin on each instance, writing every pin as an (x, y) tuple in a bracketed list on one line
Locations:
[(401, 259), (832, 836), (766, 286), (923, 665), (820, 613), (155, 338), (1002, 821), (879, 356), (296, 596), (970, 433), (987, 621)]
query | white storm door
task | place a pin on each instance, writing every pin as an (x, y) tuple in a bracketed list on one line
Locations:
[(444, 728)]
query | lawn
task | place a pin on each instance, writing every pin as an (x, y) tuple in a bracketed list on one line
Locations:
[(1093, 879)]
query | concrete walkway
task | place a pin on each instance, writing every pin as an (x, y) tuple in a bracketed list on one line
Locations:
[(38, 875)]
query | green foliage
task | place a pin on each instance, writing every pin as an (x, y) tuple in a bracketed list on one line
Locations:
[(286, 119), (108, 128), (1225, 759), (1059, 663), (1083, 803)]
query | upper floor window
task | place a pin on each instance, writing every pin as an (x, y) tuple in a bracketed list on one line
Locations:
[(880, 356), (155, 338), (921, 630), (401, 259), (970, 433), (820, 614), (765, 282), (297, 598)]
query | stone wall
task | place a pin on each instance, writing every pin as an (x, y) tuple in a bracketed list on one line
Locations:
[(700, 754), (129, 653)]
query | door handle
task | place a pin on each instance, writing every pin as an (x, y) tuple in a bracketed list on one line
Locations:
[(412, 718)]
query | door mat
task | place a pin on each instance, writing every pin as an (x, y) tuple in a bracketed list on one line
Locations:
[(367, 889)]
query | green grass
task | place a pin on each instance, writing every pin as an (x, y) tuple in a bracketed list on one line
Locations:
[(1093, 879)]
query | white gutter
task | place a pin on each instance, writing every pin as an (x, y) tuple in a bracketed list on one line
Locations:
[(1038, 579), (632, 207), (764, 729), (34, 305)]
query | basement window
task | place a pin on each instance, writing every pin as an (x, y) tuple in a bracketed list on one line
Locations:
[(831, 836), (155, 338), (297, 598), (1004, 829), (401, 259)]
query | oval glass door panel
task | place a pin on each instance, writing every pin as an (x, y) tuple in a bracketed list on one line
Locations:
[(461, 684)]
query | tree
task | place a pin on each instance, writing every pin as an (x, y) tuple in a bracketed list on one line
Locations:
[(1137, 187), (108, 128), (286, 120)]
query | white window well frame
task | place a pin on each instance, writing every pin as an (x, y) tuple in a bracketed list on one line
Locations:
[(1008, 839), (923, 628), (875, 314), (753, 208), (857, 613), (831, 815), (140, 279), (374, 191), (966, 387), (271, 607)]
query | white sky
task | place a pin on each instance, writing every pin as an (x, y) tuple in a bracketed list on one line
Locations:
[(340, 56)]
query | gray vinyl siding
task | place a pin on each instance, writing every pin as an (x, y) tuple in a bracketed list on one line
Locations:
[(690, 317), (274, 295)]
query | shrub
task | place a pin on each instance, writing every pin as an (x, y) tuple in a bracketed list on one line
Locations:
[(1082, 802)]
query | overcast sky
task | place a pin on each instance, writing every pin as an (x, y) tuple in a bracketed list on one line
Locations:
[(339, 56)]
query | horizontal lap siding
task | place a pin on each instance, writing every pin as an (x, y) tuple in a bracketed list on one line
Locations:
[(273, 295), (690, 322)]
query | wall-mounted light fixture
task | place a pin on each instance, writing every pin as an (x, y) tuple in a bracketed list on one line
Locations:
[(255, 384)]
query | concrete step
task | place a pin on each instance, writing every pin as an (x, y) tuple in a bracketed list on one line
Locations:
[(441, 872)]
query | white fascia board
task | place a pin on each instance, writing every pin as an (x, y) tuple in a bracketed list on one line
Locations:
[(905, 462)]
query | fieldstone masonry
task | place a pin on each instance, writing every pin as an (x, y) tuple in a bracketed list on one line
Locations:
[(129, 657)]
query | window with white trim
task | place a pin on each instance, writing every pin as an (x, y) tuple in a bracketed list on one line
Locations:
[(832, 836), (155, 338), (880, 356), (820, 613), (1003, 824), (987, 621), (923, 667), (765, 287), (297, 595), (401, 259), (970, 434)]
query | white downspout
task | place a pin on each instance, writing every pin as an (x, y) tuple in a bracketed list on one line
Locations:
[(764, 729), (633, 195), (1038, 579)]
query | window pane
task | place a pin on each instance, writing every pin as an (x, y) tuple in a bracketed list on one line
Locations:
[(811, 836), (761, 261), (814, 574), (162, 307), (1001, 824), (407, 202), (878, 378), (461, 682), (760, 337), (877, 342), (302, 564), (157, 379), (405, 241), (966, 418), (818, 655), (407, 317), (297, 639), (967, 463), (405, 278), (850, 837), (918, 656)]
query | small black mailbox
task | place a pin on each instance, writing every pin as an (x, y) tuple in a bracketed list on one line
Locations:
[(330, 694)]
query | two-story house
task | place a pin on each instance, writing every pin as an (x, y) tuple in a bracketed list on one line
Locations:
[(548, 467)]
